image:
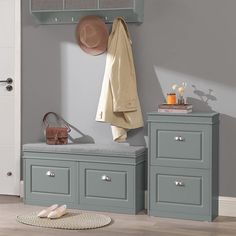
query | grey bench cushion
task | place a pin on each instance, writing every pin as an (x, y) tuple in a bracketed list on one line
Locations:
[(89, 149)]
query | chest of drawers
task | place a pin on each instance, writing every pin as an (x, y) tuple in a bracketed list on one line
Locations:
[(183, 165)]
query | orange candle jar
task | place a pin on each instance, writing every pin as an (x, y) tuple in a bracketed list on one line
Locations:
[(171, 98)]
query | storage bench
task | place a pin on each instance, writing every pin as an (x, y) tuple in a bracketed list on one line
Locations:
[(85, 176)]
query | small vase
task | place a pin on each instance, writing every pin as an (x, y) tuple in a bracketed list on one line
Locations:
[(181, 100)]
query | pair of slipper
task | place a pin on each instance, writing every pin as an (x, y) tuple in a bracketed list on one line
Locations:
[(53, 212)]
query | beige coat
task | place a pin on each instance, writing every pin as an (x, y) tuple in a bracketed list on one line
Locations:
[(119, 104)]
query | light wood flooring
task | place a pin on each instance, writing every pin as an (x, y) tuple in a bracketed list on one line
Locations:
[(122, 225)]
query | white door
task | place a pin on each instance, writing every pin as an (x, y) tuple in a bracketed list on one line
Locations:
[(10, 97)]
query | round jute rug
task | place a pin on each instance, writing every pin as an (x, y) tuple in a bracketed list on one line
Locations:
[(70, 221)]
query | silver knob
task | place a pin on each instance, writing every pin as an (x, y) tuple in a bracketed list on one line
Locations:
[(106, 178), (179, 183), (179, 138), (50, 174)]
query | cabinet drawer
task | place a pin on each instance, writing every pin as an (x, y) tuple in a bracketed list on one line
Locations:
[(180, 190), (50, 180), (180, 145), (106, 184)]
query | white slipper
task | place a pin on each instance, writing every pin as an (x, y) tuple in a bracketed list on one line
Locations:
[(44, 213), (57, 213)]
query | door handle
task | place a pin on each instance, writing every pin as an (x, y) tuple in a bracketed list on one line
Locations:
[(8, 81)]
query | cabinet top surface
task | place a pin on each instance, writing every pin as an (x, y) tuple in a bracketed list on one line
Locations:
[(191, 118)]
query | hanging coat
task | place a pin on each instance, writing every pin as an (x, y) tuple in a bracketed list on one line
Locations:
[(119, 104)]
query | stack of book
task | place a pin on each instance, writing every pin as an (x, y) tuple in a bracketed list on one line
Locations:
[(177, 108)]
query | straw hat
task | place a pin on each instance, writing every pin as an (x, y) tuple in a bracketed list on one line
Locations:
[(92, 35)]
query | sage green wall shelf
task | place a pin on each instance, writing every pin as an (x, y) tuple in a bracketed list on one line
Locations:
[(70, 11)]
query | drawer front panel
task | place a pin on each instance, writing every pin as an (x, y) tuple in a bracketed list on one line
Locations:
[(180, 190), (48, 180), (106, 184), (180, 145)]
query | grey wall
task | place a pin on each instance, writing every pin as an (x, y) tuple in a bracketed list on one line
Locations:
[(180, 40)]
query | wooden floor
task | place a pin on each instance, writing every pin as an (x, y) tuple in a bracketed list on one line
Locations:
[(122, 225)]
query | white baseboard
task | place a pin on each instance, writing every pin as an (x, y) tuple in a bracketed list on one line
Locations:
[(22, 189), (227, 206)]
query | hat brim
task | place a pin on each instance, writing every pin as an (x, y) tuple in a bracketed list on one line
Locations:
[(104, 34)]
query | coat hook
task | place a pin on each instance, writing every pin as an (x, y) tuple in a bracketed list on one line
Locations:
[(106, 17), (72, 19), (56, 19)]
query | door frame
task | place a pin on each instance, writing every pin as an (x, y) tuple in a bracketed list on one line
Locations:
[(17, 94)]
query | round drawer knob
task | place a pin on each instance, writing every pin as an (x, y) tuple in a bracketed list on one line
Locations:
[(50, 174), (179, 183), (106, 178), (179, 138)]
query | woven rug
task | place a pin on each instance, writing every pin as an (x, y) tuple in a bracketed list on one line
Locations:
[(70, 221)]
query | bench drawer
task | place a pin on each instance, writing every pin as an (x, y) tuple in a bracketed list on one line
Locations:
[(180, 145), (107, 185), (50, 180)]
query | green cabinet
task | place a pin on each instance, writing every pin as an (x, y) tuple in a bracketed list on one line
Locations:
[(86, 176), (183, 165)]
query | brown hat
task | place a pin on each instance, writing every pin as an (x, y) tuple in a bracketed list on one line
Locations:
[(92, 35)]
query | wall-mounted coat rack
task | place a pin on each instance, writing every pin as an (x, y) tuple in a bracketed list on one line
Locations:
[(70, 11)]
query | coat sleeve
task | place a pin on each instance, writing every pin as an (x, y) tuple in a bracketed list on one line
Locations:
[(122, 77)]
